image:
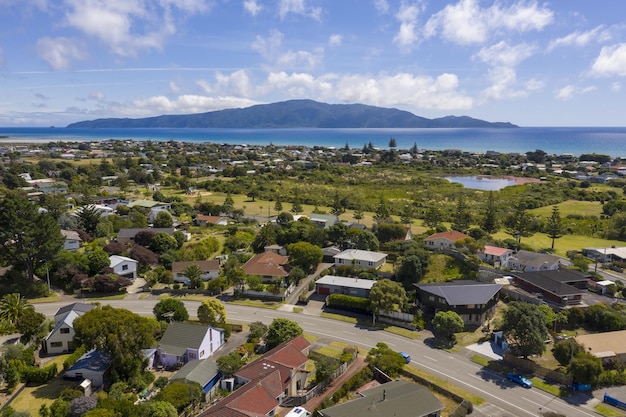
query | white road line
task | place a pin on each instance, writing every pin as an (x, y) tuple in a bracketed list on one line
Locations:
[(432, 359), (309, 324), (352, 333)]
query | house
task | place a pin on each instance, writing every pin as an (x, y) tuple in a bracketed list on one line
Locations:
[(184, 342), (61, 338), (278, 249), (128, 235), (93, 366), (475, 302), (528, 261), (360, 258), (72, 240), (606, 254), (269, 266), (328, 254), (562, 287), (123, 266), (444, 239), (202, 219), (203, 372), (495, 255), (607, 346), (266, 382), (210, 269), (330, 284), (395, 398), (323, 221)]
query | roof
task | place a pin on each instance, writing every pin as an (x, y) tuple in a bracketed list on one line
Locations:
[(71, 234), (395, 398), (365, 284), (115, 260), (462, 292), (326, 219), (599, 344), (554, 282), (212, 265), (77, 307), (495, 250), (200, 371), (146, 203), (451, 235), (210, 219), (178, 337), (266, 264), (535, 259), (130, 233), (94, 360), (361, 255)]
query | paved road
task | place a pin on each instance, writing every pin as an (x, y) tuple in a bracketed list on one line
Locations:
[(504, 397)]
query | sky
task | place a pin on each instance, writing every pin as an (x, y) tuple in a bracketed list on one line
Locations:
[(532, 63)]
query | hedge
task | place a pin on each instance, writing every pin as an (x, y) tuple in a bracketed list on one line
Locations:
[(40, 375), (349, 302)]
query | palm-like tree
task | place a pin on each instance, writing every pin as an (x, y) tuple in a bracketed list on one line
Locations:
[(194, 273), (12, 306)]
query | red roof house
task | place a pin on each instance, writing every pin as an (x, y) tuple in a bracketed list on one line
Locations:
[(269, 266), (444, 239)]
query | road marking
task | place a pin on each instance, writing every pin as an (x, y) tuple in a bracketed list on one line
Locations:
[(432, 359), (309, 324), (390, 344), (352, 333), (541, 406)]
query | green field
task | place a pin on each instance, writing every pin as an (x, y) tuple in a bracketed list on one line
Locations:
[(571, 207), (563, 244)]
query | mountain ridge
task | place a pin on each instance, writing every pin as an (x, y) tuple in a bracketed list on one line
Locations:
[(295, 114)]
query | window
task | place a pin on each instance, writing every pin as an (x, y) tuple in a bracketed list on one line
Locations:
[(431, 298), (192, 355), (370, 264), (56, 344), (124, 267), (202, 353), (65, 331)]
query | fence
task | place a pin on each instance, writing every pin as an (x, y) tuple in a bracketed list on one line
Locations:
[(534, 368), (614, 401)]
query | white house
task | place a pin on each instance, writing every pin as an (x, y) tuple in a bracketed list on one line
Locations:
[(495, 255), (210, 270), (123, 266), (360, 258), (61, 338), (72, 240), (444, 239), (92, 366), (528, 261)]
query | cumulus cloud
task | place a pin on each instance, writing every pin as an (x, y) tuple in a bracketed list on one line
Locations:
[(271, 50), (611, 61), (252, 7), (407, 33), (579, 39), (59, 52), (299, 7), (188, 103), (503, 54), (616, 87), (269, 46), (97, 95), (569, 91), (466, 22), (335, 40), (503, 82)]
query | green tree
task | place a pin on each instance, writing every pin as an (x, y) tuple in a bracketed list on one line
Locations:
[(98, 260), (181, 394), (411, 267), (120, 333), (358, 215), (160, 409), (337, 208), (385, 359), (324, 367), (433, 217), (162, 242), (229, 364), (565, 350), (390, 231), (194, 274), (446, 324), (280, 330), (278, 205), (585, 368), (383, 213), (212, 312), (13, 306), (257, 331), (462, 216), (518, 223), (229, 204), (30, 324), (88, 218), (554, 228), (296, 205), (387, 295), (490, 220), (170, 309), (524, 325), (29, 237), (163, 220), (304, 255)]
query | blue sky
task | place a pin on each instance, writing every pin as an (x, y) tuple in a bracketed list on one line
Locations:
[(553, 63)]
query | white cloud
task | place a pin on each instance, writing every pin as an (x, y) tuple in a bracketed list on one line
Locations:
[(252, 7), (97, 96), (271, 50), (611, 61), (569, 91), (467, 23), (59, 52), (407, 16), (335, 40), (616, 87), (535, 85), (579, 39), (382, 6), (503, 80), (174, 88), (269, 47), (185, 104), (298, 7), (503, 54)]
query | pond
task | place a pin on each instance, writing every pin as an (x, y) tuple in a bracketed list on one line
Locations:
[(482, 182)]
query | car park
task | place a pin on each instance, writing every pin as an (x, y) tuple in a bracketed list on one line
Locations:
[(519, 379)]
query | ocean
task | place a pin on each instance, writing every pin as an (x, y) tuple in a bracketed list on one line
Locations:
[(553, 140)]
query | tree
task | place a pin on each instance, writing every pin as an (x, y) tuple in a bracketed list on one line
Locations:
[(390, 231), (585, 368), (358, 215), (325, 366), (383, 214), (565, 350), (28, 237), (284, 218), (412, 267), (212, 312), (160, 409), (257, 330), (88, 218), (392, 142), (385, 359), (280, 330), (13, 306), (387, 295), (518, 223), (229, 204), (296, 205), (170, 309), (181, 394), (337, 207), (446, 324), (194, 274), (304, 255), (30, 324), (278, 206), (462, 216), (120, 333), (98, 260), (433, 217), (490, 220), (229, 364), (163, 220), (554, 228), (162, 242), (524, 325)]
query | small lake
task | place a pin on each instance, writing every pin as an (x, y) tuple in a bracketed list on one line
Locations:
[(482, 182)]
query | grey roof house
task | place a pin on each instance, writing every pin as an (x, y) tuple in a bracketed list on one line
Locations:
[(184, 342), (331, 284), (204, 372), (61, 338), (474, 301), (93, 366)]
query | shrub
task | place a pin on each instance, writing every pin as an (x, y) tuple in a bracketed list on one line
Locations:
[(349, 303), (39, 375), (71, 360)]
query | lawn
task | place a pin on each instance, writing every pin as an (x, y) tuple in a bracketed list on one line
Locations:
[(582, 208), (442, 268), (563, 244)]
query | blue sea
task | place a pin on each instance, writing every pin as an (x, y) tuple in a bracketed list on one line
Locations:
[(553, 140)]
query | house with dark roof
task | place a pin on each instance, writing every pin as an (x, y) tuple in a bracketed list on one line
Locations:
[(475, 302), (128, 235), (365, 259), (561, 287), (204, 372), (184, 342), (269, 266), (528, 261), (93, 366), (323, 221), (61, 338), (444, 239), (395, 398), (267, 381)]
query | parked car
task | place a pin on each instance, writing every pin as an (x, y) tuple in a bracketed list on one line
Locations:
[(519, 379), (406, 356)]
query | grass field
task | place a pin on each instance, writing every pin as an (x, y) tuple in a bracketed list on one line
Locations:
[(563, 244), (583, 208)]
